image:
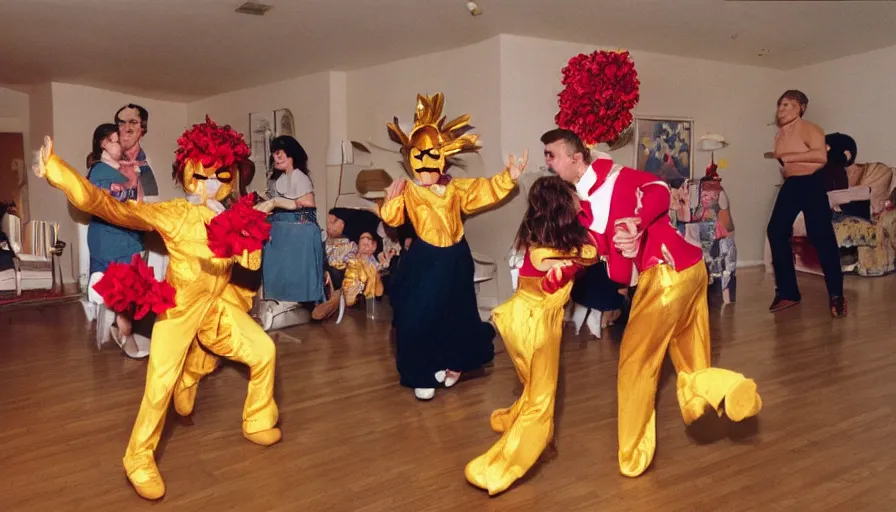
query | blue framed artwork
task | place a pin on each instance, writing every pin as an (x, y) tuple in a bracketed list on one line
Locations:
[(663, 146)]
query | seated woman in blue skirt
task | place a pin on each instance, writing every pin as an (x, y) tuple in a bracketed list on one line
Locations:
[(293, 259)]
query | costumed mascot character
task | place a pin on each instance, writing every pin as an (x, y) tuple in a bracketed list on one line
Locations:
[(209, 317), (627, 212), (438, 330)]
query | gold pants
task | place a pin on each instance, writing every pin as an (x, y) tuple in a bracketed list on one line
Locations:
[(670, 312), (531, 325), (226, 330)]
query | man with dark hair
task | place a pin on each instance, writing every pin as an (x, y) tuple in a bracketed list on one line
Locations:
[(800, 148), (627, 212), (133, 123), (597, 299)]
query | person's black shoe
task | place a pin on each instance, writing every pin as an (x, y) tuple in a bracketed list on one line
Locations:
[(838, 306), (779, 304)]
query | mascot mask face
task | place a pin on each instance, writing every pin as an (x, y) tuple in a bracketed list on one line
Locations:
[(207, 182), (207, 158), (432, 141)]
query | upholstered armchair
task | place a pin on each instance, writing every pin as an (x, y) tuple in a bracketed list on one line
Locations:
[(34, 258), (864, 223)]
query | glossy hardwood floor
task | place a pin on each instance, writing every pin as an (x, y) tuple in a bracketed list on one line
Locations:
[(356, 441)]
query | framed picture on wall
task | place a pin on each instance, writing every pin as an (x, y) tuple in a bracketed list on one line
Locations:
[(284, 123), (664, 147), (261, 131)]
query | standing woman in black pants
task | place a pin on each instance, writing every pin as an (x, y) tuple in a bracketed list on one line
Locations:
[(800, 147)]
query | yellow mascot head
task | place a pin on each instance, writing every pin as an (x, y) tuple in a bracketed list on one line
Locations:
[(432, 142), (208, 159)]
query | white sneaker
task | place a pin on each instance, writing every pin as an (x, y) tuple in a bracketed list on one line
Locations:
[(424, 393), (451, 379), (594, 322)]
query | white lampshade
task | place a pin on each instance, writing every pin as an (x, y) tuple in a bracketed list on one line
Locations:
[(340, 152), (712, 142)]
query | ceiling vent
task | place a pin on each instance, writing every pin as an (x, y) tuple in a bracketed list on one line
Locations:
[(254, 8)]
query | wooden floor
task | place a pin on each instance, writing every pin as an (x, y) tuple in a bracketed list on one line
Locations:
[(356, 441)]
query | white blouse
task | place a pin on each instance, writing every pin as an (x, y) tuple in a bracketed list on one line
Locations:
[(294, 185)]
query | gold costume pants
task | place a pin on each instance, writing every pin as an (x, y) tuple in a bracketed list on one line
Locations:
[(670, 313), (531, 325), (225, 330)]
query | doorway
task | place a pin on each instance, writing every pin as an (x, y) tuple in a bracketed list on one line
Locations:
[(13, 174)]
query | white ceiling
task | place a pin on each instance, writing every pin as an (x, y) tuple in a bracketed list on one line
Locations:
[(188, 49)]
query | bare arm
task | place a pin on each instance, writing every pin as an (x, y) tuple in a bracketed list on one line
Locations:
[(817, 153)]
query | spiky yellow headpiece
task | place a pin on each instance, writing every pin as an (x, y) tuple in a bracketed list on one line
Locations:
[(432, 141)]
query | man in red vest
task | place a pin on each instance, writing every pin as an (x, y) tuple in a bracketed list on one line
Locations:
[(627, 212)]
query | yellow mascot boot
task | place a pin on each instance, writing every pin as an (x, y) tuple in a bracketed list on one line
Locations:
[(265, 437), (145, 477), (711, 386)]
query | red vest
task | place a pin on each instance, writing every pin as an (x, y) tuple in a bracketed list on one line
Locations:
[(636, 194)]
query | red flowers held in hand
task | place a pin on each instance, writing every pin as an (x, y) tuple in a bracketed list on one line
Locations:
[(241, 228), (133, 287), (601, 89)]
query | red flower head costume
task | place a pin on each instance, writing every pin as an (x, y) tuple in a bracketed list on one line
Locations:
[(601, 90), (627, 212), (209, 317)]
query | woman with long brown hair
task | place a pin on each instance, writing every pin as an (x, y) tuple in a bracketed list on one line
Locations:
[(556, 247)]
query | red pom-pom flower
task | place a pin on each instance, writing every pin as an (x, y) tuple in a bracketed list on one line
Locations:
[(241, 228), (601, 89), (133, 288)]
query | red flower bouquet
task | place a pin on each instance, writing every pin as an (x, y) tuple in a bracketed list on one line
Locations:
[(133, 287), (241, 228), (601, 89)]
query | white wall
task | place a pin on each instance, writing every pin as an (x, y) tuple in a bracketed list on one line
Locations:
[(14, 118), (13, 111), (853, 95), (307, 97)]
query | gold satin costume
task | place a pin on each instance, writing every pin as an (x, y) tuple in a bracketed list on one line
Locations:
[(435, 210), (362, 276), (435, 206), (210, 313), (670, 313), (531, 325)]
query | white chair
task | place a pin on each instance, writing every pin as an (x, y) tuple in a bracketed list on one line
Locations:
[(34, 258), (485, 269)]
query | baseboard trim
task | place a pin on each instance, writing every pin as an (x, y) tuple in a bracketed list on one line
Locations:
[(750, 263)]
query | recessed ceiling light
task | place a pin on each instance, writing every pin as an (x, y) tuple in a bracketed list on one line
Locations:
[(253, 8)]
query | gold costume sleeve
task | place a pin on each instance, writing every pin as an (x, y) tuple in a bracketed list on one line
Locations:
[(164, 217), (392, 211), (478, 193), (586, 255)]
